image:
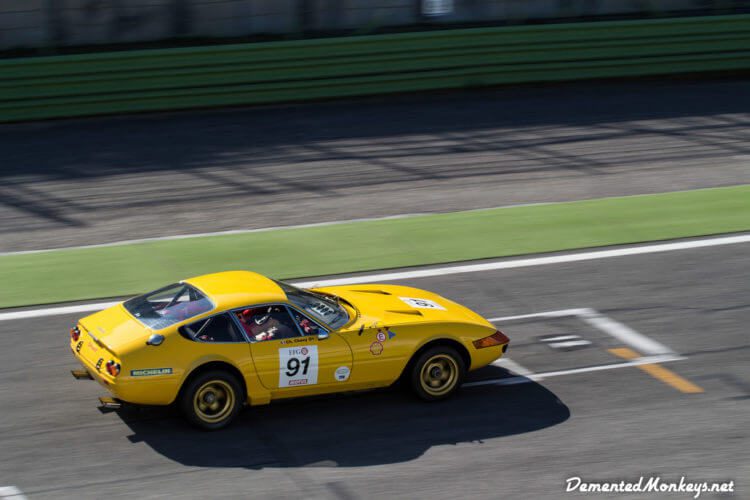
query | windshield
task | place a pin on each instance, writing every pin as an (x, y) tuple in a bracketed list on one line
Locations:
[(168, 305), (325, 308)]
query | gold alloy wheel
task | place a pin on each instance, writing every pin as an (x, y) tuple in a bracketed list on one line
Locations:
[(213, 401), (439, 375)]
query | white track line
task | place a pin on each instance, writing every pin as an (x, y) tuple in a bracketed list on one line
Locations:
[(570, 343), (613, 328), (546, 314), (447, 270), (658, 353), (271, 228), (321, 224), (625, 334), (561, 338), (536, 261), (229, 232), (54, 311), (535, 377), (11, 493), (511, 365)]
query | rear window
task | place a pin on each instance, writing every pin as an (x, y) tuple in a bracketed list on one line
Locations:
[(169, 305)]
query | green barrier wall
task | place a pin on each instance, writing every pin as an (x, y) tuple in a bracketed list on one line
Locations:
[(60, 86)]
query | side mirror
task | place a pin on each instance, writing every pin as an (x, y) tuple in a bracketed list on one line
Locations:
[(155, 340), (322, 335)]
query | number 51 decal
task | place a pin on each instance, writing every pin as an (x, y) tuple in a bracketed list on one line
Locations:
[(298, 366)]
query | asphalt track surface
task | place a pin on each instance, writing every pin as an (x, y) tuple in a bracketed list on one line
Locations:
[(491, 441), (100, 180)]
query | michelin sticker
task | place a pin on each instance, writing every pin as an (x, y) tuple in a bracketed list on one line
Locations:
[(148, 372), (298, 366), (422, 303), (342, 373)]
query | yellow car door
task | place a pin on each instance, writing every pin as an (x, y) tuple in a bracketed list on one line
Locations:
[(293, 355)]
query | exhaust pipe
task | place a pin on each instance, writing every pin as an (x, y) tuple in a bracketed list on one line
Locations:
[(106, 403), (81, 375)]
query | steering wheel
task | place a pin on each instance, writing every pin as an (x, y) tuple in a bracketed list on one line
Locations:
[(259, 320)]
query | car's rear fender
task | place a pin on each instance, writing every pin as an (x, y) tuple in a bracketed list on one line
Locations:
[(255, 393)]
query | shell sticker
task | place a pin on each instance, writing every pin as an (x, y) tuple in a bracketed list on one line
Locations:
[(376, 348)]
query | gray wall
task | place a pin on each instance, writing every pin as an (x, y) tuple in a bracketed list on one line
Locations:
[(50, 23)]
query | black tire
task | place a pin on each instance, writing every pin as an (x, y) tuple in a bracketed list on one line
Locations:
[(437, 373), (212, 399)]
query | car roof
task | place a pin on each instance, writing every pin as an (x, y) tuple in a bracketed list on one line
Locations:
[(230, 289)]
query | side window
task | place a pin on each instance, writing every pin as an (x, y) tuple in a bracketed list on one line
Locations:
[(267, 323), (306, 325), (218, 328)]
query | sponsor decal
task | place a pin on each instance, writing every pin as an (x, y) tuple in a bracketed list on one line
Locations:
[(297, 340), (422, 303), (376, 348), (150, 372), (380, 336), (390, 334), (298, 366), (342, 373)]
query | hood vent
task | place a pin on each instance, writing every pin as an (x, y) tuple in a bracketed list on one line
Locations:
[(377, 292), (408, 312)]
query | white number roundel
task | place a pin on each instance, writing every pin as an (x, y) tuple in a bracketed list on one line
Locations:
[(422, 303)]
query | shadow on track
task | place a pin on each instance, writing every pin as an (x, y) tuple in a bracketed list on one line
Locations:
[(328, 149), (352, 430)]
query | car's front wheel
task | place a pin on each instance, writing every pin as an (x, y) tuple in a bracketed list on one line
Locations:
[(212, 399), (437, 373)]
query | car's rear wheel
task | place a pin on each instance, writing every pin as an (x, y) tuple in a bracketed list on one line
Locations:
[(437, 373), (212, 399)]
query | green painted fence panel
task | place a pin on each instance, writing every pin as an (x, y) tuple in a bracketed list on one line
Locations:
[(147, 80), (171, 78)]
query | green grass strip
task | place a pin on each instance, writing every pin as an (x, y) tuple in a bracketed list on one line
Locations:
[(75, 274)]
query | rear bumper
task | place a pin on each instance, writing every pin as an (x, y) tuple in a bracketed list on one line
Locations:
[(95, 373), (134, 391)]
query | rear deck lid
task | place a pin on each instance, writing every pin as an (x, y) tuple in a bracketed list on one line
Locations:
[(111, 328)]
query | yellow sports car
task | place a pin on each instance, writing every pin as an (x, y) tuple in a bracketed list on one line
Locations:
[(214, 343)]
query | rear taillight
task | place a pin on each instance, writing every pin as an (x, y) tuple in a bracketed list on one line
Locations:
[(75, 333), (497, 338), (113, 368)]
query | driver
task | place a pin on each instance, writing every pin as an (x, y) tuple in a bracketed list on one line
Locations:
[(264, 324), (307, 326)]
